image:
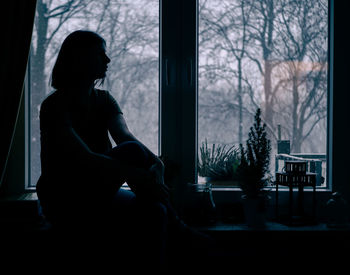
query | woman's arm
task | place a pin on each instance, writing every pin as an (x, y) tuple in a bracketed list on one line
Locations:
[(120, 133), (59, 137), (102, 162), (61, 134)]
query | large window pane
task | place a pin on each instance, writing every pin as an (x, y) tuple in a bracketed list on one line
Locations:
[(269, 54), (131, 30)]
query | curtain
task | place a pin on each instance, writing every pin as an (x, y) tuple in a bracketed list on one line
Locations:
[(17, 18)]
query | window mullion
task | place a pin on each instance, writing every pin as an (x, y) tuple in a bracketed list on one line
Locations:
[(178, 98)]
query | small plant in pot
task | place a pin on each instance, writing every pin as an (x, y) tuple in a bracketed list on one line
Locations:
[(253, 171), (218, 164)]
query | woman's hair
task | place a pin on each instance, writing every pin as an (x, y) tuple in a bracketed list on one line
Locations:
[(75, 46)]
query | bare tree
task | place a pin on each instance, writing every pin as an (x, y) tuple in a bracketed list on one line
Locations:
[(50, 18), (131, 31), (274, 53), (302, 34), (228, 27)]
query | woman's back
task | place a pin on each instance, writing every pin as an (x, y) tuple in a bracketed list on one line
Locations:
[(64, 168)]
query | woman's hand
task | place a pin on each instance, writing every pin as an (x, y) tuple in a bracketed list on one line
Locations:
[(160, 189), (158, 168), (149, 184)]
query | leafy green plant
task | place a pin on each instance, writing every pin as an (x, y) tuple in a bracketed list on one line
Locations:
[(218, 162), (255, 159)]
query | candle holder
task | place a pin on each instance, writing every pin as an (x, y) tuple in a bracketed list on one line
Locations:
[(295, 175)]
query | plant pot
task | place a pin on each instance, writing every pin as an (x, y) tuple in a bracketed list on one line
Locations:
[(220, 182), (254, 212), (224, 183)]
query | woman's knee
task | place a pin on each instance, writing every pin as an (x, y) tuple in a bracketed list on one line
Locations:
[(124, 198), (132, 152)]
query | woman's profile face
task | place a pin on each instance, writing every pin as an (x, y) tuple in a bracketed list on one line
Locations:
[(96, 61)]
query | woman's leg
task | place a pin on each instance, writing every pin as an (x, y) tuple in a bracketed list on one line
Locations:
[(144, 220), (143, 227), (132, 153)]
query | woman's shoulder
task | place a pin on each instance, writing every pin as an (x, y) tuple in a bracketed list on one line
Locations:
[(54, 100), (108, 101)]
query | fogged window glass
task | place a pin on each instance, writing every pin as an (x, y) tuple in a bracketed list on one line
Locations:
[(131, 30), (269, 54)]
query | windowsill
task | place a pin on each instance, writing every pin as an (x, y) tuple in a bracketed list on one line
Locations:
[(272, 189), (28, 195), (220, 193), (219, 227), (270, 226)]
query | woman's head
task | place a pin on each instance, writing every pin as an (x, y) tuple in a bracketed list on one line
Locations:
[(82, 57)]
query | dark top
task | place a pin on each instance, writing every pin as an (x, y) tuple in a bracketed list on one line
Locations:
[(64, 168)]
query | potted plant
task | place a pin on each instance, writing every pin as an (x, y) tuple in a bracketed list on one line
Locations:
[(253, 171), (218, 164)]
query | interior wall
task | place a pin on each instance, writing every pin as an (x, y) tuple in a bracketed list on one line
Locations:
[(341, 99), (14, 178)]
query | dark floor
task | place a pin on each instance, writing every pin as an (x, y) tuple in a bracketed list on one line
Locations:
[(24, 236)]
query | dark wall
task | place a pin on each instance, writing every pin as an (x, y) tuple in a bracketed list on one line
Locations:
[(341, 107)]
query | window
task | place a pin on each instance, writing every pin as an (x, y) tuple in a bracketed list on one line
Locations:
[(131, 30), (268, 54), (272, 55)]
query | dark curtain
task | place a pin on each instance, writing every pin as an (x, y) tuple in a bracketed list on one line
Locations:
[(17, 18)]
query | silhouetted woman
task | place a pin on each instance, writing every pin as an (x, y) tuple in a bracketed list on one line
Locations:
[(81, 172)]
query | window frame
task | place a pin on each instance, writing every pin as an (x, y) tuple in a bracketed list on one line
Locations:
[(170, 138), (178, 61), (27, 123), (178, 91), (329, 131), (330, 95)]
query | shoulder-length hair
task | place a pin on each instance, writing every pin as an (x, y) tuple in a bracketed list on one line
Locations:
[(66, 69)]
